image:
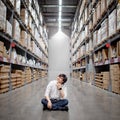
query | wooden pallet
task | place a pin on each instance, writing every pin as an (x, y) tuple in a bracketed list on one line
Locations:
[(4, 90), (116, 92)]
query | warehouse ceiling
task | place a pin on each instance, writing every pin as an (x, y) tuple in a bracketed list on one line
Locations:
[(50, 11)]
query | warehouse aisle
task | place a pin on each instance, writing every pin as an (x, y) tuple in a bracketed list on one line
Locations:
[(86, 102)]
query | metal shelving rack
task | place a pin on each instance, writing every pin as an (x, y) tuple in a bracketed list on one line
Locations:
[(97, 66), (23, 50)]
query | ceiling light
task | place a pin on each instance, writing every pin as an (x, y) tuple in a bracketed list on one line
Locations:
[(60, 2)]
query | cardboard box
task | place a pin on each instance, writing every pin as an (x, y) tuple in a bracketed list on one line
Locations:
[(24, 16), (118, 16), (94, 17), (4, 86), (86, 14), (95, 38), (4, 81), (2, 15), (103, 6), (99, 36), (104, 54), (8, 28), (17, 6), (112, 23), (98, 10), (16, 30), (23, 38), (104, 30), (113, 51)]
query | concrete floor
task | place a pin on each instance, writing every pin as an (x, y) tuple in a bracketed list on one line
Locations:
[(86, 102)]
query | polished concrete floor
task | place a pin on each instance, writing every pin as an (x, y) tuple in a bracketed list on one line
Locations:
[(86, 102)]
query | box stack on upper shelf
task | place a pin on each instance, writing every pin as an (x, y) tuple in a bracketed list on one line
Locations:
[(95, 40), (23, 42)]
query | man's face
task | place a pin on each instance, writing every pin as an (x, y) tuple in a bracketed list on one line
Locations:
[(60, 80)]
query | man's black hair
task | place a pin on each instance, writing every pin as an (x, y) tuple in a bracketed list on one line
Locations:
[(64, 77)]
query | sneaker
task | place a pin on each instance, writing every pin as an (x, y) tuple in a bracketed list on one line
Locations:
[(46, 108), (64, 108)]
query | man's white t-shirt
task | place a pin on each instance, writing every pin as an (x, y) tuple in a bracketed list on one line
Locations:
[(52, 90)]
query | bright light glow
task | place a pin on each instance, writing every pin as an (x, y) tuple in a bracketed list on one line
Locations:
[(60, 9), (60, 14), (60, 2)]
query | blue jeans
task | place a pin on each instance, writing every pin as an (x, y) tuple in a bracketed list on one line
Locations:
[(56, 104)]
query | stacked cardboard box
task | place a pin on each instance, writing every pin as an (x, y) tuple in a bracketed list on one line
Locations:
[(98, 10), (100, 56), (113, 51), (14, 80), (106, 79), (23, 78), (112, 23), (94, 17), (4, 78), (17, 6), (13, 56), (95, 38), (90, 25), (24, 16), (115, 77), (99, 80), (1, 48), (29, 42), (28, 75), (16, 30), (95, 57), (86, 14), (99, 36), (29, 22), (118, 16), (104, 54), (103, 6), (19, 78), (36, 74), (2, 16), (104, 30), (8, 28), (23, 38)]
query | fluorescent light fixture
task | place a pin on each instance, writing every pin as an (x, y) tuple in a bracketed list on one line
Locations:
[(60, 2), (60, 14), (60, 9)]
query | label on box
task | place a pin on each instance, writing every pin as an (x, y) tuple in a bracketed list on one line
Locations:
[(5, 59), (107, 62), (115, 60)]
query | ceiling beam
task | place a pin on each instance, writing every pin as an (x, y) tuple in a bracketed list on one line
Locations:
[(56, 14), (56, 24), (65, 6)]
